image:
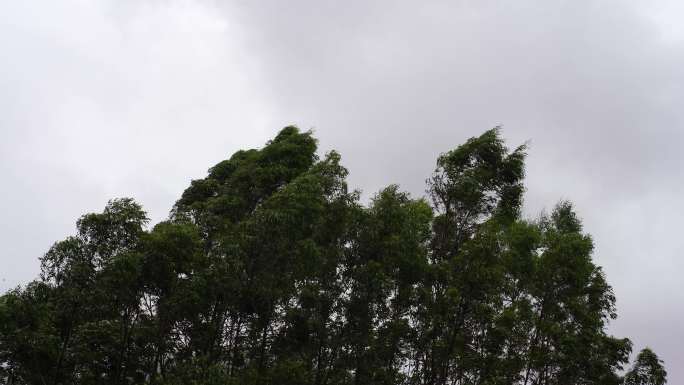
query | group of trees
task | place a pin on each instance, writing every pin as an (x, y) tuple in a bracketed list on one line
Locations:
[(269, 271)]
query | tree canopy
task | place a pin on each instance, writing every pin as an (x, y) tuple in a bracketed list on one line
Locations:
[(270, 271)]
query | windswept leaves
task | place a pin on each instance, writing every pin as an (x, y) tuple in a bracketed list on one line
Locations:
[(270, 271)]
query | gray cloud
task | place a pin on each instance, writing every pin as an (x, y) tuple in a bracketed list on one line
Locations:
[(108, 99)]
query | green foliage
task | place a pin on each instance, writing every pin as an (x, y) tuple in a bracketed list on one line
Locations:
[(647, 370), (269, 271)]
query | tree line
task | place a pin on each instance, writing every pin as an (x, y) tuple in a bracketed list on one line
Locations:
[(270, 271)]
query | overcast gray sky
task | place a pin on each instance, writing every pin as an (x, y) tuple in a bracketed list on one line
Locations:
[(103, 99)]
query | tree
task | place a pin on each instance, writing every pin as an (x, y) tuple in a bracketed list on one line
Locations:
[(648, 369), (269, 271), (571, 303), (385, 263), (476, 192), (29, 343)]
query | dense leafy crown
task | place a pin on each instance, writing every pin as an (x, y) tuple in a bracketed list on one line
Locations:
[(269, 271)]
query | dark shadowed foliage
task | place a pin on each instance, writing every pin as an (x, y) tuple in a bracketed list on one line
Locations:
[(269, 271)]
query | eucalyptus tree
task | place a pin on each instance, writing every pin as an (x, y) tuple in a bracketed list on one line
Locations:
[(475, 190), (75, 323), (648, 369), (270, 271), (385, 264)]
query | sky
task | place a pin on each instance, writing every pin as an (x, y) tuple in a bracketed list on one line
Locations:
[(105, 99)]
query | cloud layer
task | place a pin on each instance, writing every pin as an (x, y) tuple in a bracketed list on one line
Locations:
[(104, 99)]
